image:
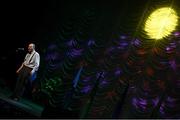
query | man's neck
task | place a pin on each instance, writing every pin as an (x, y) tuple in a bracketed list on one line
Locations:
[(31, 52)]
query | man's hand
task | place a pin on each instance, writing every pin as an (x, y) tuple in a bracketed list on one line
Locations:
[(17, 71), (31, 73), (34, 90)]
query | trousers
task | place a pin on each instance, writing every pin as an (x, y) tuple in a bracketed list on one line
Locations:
[(23, 79)]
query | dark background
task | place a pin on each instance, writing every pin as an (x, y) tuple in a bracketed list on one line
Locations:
[(28, 21), (32, 21)]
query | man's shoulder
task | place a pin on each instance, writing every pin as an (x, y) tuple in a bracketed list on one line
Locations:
[(36, 53), (27, 54)]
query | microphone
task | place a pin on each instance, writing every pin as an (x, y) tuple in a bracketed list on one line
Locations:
[(20, 49)]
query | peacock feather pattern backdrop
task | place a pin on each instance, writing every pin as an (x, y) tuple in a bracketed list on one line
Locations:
[(125, 74)]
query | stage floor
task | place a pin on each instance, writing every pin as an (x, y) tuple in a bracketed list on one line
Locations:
[(24, 104)]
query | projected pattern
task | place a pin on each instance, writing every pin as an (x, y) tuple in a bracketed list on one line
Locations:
[(121, 77)]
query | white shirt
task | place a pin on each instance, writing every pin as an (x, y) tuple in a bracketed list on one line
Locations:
[(32, 60)]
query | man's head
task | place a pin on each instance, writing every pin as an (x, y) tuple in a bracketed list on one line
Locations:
[(31, 47)]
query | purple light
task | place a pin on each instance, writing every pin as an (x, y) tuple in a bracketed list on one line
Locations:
[(167, 105), (117, 72), (91, 43), (177, 34), (123, 37), (170, 99), (100, 73), (162, 109), (136, 42), (122, 45), (74, 52), (134, 102), (87, 79), (143, 101), (173, 45), (173, 64), (155, 101), (52, 56), (178, 83), (103, 83), (168, 48), (72, 43), (140, 104), (110, 50), (52, 47), (86, 89)]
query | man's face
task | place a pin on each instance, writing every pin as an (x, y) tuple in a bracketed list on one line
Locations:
[(30, 48)]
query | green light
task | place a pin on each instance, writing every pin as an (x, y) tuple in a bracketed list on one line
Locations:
[(161, 23)]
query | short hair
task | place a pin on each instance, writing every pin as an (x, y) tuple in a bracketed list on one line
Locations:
[(33, 45)]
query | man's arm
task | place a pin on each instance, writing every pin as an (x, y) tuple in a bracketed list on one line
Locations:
[(21, 65), (19, 68)]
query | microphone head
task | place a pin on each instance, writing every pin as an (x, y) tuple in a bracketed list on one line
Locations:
[(20, 48)]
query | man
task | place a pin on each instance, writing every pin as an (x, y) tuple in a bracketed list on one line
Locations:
[(28, 69)]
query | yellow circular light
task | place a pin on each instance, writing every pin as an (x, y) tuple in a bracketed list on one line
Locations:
[(161, 23)]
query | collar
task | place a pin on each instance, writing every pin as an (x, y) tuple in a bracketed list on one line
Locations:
[(32, 52)]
